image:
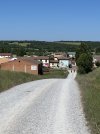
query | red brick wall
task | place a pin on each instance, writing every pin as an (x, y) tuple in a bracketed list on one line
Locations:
[(19, 66)]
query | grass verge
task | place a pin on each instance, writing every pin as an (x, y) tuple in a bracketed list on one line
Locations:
[(90, 87), (9, 79)]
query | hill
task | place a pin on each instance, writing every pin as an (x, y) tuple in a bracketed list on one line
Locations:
[(21, 48)]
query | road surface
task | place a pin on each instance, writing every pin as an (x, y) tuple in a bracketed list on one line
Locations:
[(51, 106)]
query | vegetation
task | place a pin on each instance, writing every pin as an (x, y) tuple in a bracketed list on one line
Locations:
[(56, 73), (84, 59), (9, 79), (90, 87), (69, 42), (21, 48), (34, 48), (97, 64)]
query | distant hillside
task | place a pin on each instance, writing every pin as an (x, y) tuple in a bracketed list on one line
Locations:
[(69, 42), (21, 48)]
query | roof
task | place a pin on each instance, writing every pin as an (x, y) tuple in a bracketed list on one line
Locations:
[(3, 60), (71, 53), (40, 58), (30, 60), (63, 58), (97, 57), (5, 54), (59, 53), (54, 61), (43, 57)]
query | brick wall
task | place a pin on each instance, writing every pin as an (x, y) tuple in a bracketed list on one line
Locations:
[(19, 66)]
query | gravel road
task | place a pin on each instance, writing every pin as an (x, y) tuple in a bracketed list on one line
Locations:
[(51, 106)]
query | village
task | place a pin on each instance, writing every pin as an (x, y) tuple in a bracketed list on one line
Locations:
[(37, 65)]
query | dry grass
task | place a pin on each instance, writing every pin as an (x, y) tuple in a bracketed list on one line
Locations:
[(9, 79)]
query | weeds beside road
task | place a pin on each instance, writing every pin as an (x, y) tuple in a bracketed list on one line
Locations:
[(9, 79), (90, 87)]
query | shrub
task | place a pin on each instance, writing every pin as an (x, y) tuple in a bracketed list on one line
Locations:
[(97, 64), (84, 63), (84, 59)]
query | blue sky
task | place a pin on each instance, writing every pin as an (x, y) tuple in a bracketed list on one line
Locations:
[(50, 20)]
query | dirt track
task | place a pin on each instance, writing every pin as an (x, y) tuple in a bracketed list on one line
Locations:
[(50, 106)]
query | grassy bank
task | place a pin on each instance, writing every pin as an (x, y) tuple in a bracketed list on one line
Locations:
[(9, 79), (90, 87)]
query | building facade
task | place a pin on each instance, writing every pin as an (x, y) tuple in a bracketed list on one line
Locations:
[(23, 65), (64, 62), (5, 55), (43, 59)]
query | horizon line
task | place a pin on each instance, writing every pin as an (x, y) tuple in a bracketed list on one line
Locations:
[(53, 41)]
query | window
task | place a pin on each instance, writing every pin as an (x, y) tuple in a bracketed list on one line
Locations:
[(33, 67), (45, 60)]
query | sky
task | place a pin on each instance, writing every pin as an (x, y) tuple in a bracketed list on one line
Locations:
[(50, 20)]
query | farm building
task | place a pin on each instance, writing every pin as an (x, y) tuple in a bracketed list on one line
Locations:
[(54, 63), (71, 54), (26, 65), (5, 55), (3, 60), (59, 54), (64, 62), (96, 58), (43, 59)]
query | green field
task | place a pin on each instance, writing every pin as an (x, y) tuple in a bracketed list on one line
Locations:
[(24, 44), (9, 79), (70, 43), (90, 87)]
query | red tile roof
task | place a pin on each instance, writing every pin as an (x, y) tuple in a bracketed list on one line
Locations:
[(41, 58), (5, 54)]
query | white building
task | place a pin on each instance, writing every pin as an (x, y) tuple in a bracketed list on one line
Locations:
[(43, 59), (54, 63), (5, 55), (71, 54), (64, 62)]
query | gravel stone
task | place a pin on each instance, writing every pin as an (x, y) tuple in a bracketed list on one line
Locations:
[(50, 106)]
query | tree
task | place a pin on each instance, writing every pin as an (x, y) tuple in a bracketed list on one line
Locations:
[(84, 59), (83, 48), (85, 63)]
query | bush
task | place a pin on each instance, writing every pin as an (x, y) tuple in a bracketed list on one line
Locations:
[(46, 69), (84, 59), (97, 64), (81, 70), (84, 63)]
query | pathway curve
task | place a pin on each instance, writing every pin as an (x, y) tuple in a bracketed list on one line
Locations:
[(51, 106)]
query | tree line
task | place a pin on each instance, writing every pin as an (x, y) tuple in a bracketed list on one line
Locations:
[(21, 48)]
